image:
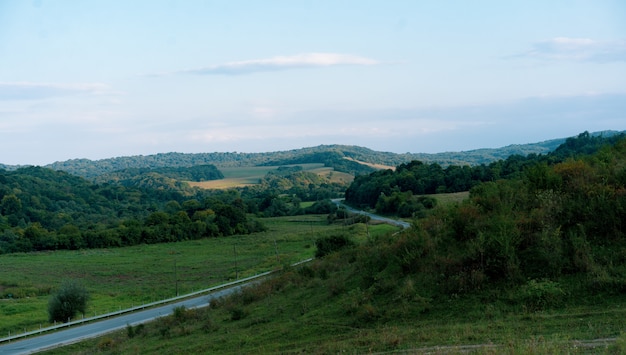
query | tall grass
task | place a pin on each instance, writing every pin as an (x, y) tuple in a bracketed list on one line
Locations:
[(321, 308), (126, 277)]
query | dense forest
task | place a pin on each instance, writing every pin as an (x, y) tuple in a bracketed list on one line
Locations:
[(43, 209), (556, 217), (393, 191)]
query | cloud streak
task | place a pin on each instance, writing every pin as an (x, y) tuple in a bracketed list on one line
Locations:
[(37, 91), (298, 61), (578, 49)]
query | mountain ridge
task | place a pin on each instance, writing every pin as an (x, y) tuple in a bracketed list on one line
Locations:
[(92, 168)]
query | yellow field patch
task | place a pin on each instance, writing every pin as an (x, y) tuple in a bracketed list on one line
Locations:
[(252, 175), (375, 166), (222, 184)]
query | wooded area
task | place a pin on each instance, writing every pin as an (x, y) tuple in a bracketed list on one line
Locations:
[(43, 209)]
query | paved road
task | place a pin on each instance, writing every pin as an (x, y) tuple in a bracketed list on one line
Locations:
[(375, 217), (92, 330)]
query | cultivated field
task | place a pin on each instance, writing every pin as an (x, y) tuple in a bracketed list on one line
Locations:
[(252, 175), (454, 197), (375, 166)]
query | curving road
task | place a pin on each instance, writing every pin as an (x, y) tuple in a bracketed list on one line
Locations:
[(92, 330), (375, 217)]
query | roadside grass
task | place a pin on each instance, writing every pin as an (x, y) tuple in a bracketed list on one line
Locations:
[(319, 308), (125, 277)]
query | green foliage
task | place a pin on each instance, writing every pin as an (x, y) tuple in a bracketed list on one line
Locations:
[(70, 299), (42, 209), (131, 331), (333, 154), (279, 192), (381, 188), (321, 207), (332, 243), (237, 313), (369, 298), (538, 295), (180, 313), (331, 158), (619, 347), (162, 177)]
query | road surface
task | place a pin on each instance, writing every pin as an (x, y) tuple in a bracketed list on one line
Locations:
[(375, 217), (92, 330)]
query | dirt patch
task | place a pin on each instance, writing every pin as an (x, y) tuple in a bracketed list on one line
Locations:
[(375, 166)]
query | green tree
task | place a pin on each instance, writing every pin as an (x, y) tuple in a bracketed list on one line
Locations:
[(11, 204), (332, 243), (70, 299)]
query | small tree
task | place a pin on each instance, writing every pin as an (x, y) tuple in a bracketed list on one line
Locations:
[(329, 244), (71, 298)]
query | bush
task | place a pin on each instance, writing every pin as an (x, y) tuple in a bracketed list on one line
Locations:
[(538, 295), (70, 299), (327, 245), (237, 313), (133, 331), (180, 314)]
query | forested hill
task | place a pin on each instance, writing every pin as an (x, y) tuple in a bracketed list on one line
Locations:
[(92, 168), (322, 154), (392, 191), (331, 155)]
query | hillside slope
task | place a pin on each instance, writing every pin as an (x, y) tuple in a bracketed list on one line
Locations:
[(532, 264), (344, 158), (92, 168)]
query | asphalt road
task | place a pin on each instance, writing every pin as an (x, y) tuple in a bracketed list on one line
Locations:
[(92, 330), (375, 217)]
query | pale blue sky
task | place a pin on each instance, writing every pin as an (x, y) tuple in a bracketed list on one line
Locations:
[(98, 79)]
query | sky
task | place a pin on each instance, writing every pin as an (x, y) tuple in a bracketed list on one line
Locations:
[(104, 78)]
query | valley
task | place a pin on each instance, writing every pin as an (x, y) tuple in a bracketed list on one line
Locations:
[(524, 253)]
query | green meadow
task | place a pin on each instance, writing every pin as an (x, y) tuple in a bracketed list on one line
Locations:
[(125, 277)]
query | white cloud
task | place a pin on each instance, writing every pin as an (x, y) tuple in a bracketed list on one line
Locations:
[(578, 49), (305, 60), (36, 91)]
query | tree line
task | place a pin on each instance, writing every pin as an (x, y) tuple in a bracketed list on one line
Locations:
[(417, 178), (43, 209), (553, 232)]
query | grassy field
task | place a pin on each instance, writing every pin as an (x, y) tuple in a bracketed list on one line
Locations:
[(318, 309), (455, 197), (251, 175), (125, 277)]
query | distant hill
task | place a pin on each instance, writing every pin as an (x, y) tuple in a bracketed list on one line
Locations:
[(345, 158)]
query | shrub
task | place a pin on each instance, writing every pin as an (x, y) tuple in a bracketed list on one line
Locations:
[(208, 325), (70, 299), (538, 295), (327, 245), (238, 313), (106, 344), (133, 331), (306, 272), (180, 314)]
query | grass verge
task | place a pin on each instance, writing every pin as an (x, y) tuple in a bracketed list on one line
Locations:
[(125, 277)]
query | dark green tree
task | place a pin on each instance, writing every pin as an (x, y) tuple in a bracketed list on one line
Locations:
[(70, 299)]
